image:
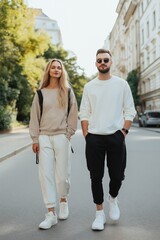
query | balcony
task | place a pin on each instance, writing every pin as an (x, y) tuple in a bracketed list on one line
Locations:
[(130, 11)]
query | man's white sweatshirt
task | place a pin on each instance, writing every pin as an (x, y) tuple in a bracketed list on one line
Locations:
[(106, 104)]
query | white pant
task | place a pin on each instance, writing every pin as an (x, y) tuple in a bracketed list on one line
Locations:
[(54, 167)]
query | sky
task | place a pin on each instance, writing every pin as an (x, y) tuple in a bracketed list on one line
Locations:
[(84, 25)]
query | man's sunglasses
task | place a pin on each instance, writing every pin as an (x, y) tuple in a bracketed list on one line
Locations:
[(105, 60)]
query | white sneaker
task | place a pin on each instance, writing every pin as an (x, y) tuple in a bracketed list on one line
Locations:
[(114, 212), (50, 220), (63, 210), (99, 221)]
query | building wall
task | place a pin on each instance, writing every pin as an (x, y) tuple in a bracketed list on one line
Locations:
[(149, 86), (50, 26), (135, 43), (124, 39)]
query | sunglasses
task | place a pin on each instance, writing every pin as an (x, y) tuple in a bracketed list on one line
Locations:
[(105, 60)]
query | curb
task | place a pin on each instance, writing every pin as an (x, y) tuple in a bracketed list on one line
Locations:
[(11, 130), (147, 129), (18, 150)]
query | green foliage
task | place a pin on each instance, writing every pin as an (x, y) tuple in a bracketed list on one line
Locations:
[(6, 117), (24, 101), (133, 79), (8, 98), (8, 94), (20, 63), (24, 52), (55, 51)]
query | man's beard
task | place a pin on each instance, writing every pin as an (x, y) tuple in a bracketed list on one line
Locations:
[(104, 70)]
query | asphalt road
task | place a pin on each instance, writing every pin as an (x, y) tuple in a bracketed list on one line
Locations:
[(22, 208)]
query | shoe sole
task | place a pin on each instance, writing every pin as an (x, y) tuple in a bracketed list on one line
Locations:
[(97, 230), (42, 228), (62, 219), (45, 228)]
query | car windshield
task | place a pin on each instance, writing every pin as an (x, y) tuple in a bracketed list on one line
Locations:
[(154, 114)]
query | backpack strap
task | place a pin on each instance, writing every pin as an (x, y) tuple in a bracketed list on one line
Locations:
[(69, 91), (40, 96)]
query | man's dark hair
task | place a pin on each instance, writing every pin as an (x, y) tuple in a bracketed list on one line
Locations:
[(102, 50)]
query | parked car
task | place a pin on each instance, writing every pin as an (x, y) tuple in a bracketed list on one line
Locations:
[(149, 118)]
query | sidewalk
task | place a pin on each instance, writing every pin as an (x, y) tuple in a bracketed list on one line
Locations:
[(14, 142)]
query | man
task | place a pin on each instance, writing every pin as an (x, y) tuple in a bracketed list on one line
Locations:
[(107, 111)]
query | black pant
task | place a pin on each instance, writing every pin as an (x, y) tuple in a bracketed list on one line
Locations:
[(97, 148)]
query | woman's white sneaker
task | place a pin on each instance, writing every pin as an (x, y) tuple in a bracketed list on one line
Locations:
[(50, 220), (63, 210), (99, 221)]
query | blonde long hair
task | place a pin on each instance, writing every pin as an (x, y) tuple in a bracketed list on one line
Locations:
[(63, 83)]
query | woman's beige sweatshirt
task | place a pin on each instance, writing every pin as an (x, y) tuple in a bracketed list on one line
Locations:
[(54, 120)]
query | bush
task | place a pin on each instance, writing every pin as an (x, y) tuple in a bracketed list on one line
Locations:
[(7, 116), (133, 79)]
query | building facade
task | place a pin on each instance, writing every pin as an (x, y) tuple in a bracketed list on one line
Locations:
[(135, 44), (50, 26), (124, 38), (149, 85)]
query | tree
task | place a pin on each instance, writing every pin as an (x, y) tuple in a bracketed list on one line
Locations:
[(23, 55), (133, 79), (21, 61), (8, 98)]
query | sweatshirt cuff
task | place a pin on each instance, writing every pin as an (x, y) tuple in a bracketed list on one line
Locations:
[(84, 119), (35, 140), (69, 133), (129, 118)]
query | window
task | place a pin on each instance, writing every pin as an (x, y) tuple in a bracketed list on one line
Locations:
[(154, 19), (154, 54), (154, 114), (148, 60), (142, 8), (147, 29), (142, 61), (142, 36), (143, 87)]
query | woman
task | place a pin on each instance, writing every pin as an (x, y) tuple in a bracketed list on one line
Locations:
[(51, 133)]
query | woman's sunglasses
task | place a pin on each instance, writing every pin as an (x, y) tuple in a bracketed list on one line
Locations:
[(105, 60)]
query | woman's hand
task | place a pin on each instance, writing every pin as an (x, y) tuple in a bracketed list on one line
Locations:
[(35, 147)]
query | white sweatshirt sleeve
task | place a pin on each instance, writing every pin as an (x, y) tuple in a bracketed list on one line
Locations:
[(85, 108), (129, 109)]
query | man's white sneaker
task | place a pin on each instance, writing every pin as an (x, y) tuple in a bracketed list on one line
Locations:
[(99, 221), (63, 210), (114, 212), (50, 220)]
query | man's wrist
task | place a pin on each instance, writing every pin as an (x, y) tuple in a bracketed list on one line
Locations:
[(125, 130), (85, 134)]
